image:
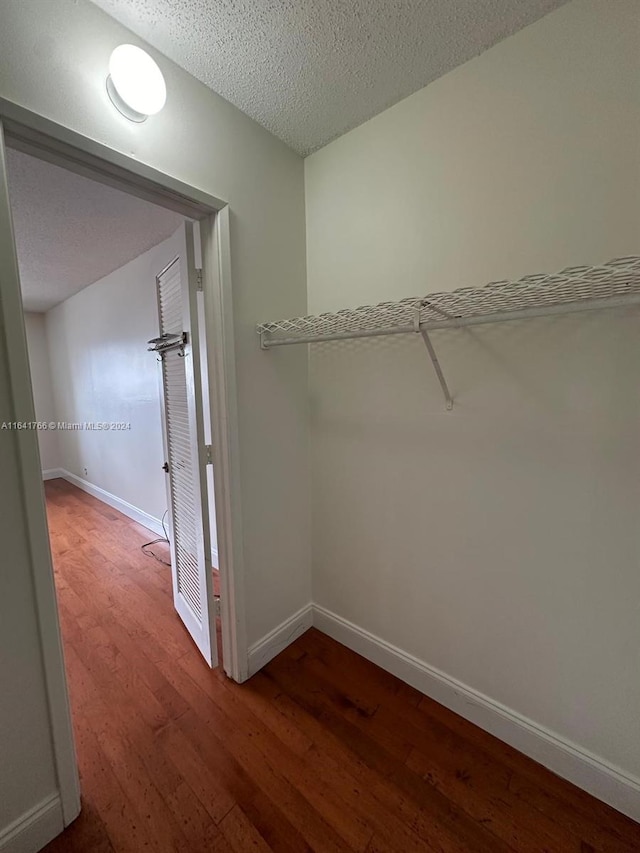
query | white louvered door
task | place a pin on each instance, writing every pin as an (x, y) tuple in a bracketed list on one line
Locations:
[(185, 452)]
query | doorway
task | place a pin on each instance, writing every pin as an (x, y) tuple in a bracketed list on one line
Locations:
[(47, 141), (119, 422)]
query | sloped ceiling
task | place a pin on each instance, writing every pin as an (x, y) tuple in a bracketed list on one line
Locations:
[(71, 231), (310, 70)]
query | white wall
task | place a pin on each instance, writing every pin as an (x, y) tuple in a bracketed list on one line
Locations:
[(102, 372), (498, 543), (53, 60), (41, 380)]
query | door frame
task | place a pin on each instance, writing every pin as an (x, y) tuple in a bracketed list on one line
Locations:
[(33, 134)]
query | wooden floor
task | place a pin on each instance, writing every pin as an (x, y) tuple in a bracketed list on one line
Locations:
[(319, 751)]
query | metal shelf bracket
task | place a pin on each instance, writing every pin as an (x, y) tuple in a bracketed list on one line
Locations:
[(432, 354), (436, 366)]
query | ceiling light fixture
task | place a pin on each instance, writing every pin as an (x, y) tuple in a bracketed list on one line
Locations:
[(135, 83)]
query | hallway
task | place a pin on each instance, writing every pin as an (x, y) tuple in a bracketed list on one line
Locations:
[(320, 751)]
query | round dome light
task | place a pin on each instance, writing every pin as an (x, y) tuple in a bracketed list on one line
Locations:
[(135, 83)]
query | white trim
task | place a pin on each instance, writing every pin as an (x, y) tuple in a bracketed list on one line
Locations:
[(47, 140), (215, 560), (275, 641), (32, 495), (52, 473), (568, 760), (131, 511), (225, 436), (34, 828)]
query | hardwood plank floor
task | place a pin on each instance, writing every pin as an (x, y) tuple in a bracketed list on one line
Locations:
[(320, 751)]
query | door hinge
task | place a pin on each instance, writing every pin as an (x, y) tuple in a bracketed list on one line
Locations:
[(199, 283), (208, 454), (216, 606)]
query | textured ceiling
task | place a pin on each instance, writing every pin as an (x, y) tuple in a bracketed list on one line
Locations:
[(71, 231), (309, 70)]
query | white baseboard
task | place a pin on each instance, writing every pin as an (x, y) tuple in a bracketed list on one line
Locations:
[(566, 759), (139, 515), (52, 473), (131, 511), (275, 641), (34, 829)]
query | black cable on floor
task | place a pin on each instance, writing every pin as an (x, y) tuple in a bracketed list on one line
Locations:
[(164, 538)]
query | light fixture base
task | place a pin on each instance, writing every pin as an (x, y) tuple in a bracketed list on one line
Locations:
[(121, 106)]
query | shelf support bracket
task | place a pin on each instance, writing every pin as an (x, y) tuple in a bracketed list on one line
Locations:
[(436, 366)]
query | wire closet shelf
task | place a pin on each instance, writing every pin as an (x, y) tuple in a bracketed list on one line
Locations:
[(610, 285)]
